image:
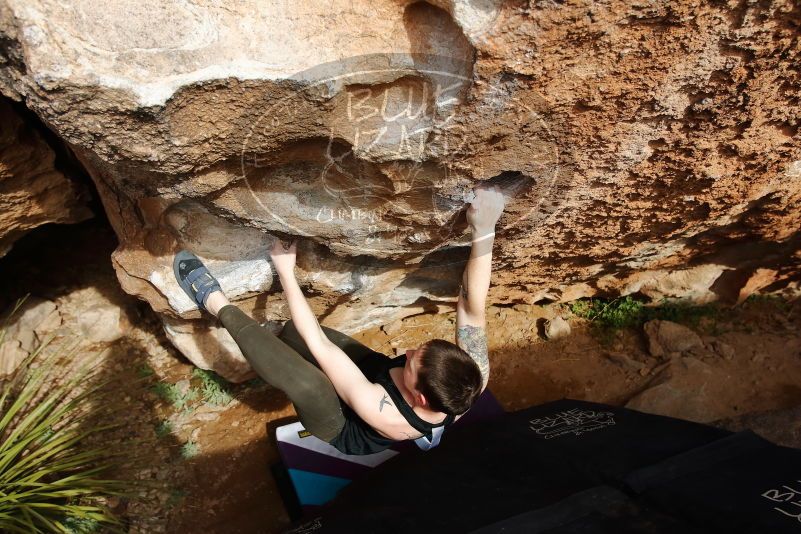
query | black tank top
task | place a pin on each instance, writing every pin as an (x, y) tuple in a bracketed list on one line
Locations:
[(357, 437)]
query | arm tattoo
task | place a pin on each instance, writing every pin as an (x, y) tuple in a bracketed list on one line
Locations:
[(473, 340), (385, 400)]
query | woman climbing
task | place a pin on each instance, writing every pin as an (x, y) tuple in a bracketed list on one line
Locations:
[(356, 399)]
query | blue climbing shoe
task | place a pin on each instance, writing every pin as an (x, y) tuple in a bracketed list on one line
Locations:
[(194, 278)]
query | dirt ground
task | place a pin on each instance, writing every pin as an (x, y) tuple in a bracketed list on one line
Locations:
[(208, 459)]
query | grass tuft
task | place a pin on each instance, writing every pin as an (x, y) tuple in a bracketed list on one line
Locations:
[(615, 314), (172, 394), (164, 429), (52, 479), (190, 449), (145, 371), (214, 389), (75, 525)]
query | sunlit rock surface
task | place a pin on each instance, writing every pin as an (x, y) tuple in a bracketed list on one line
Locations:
[(647, 148)]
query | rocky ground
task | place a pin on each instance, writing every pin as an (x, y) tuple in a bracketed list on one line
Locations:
[(204, 442)]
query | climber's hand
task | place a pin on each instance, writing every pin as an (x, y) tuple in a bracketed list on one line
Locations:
[(283, 256), (485, 209)]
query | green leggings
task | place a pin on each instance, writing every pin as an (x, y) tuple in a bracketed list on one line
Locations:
[(285, 362)]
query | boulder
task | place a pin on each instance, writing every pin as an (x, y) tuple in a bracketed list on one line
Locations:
[(760, 279), (96, 315), (556, 328), (35, 319), (639, 145), (103, 323), (666, 337)]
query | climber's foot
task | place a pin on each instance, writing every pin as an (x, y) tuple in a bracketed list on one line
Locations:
[(197, 282)]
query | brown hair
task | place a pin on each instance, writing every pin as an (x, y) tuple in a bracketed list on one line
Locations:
[(448, 377)]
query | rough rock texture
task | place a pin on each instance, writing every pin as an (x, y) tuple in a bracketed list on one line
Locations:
[(28, 328), (32, 191), (647, 147), (666, 337), (556, 328), (103, 323)]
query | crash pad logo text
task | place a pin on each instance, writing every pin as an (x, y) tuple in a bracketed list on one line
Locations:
[(575, 421), (788, 498)]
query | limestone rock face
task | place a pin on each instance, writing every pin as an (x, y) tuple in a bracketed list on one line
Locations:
[(32, 191), (643, 147), (28, 329)]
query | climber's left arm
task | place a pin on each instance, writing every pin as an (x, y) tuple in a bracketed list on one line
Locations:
[(348, 380), (482, 215)]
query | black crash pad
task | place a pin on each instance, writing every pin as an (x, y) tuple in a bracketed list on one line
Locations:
[(508, 470)]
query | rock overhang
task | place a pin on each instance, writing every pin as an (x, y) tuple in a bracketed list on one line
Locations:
[(151, 49), (632, 159)]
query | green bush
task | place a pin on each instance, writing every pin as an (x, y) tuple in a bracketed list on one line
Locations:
[(50, 480), (627, 312), (207, 386), (618, 313)]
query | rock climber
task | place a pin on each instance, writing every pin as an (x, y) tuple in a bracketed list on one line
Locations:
[(346, 394)]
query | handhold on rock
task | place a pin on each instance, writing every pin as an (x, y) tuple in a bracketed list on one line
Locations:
[(556, 328), (665, 337)]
